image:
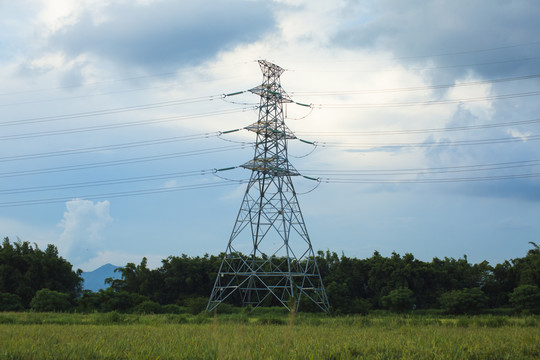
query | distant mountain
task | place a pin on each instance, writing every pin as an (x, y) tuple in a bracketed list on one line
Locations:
[(95, 280)]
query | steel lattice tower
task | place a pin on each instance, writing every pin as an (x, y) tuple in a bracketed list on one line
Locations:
[(280, 266)]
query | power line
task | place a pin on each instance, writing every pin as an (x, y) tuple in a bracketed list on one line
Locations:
[(535, 58), (119, 125), (434, 143), (428, 181), (420, 131), (333, 172), (83, 96), (108, 111), (473, 51), (416, 88), (461, 52), (83, 85), (167, 74), (366, 176), (107, 147), (98, 183), (424, 171), (118, 194), (426, 103), (120, 80), (120, 162)]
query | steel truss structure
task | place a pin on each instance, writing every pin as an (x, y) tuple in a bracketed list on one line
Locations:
[(269, 258)]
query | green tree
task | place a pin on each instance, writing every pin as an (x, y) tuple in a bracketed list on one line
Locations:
[(120, 301), (529, 266), (504, 279), (148, 307), (50, 300), (89, 301), (196, 305), (25, 269), (10, 302), (353, 285), (526, 297), (399, 300), (465, 301), (339, 297), (179, 278)]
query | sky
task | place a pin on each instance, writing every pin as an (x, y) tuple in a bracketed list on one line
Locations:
[(423, 114)]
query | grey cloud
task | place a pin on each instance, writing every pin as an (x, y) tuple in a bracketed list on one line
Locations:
[(166, 34), (410, 29), (512, 181), (446, 35), (72, 77), (523, 189)]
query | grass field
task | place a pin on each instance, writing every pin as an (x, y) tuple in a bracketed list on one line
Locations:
[(238, 336)]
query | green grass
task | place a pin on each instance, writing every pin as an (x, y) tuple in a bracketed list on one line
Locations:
[(266, 336)]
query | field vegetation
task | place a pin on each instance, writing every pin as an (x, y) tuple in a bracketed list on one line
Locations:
[(267, 334)]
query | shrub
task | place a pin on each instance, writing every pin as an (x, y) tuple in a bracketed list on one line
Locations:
[(225, 308), (526, 298), (7, 319), (113, 317), (465, 301), (271, 320), (268, 310), (196, 305), (492, 321), (360, 306), (148, 307), (88, 302), (10, 302), (121, 301), (177, 318), (173, 309), (50, 300), (398, 300)]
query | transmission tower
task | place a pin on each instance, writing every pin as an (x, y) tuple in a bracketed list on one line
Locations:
[(269, 258)]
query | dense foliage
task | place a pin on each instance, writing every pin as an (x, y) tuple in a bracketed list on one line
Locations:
[(466, 301), (50, 300), (183, 284), (25, 269), (398, 283)]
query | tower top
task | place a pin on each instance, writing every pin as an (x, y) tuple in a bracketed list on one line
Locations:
[(270, 90), (271, 67)]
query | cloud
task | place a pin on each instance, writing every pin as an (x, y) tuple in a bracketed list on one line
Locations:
[(83, 224), (171, 184), (164, 33), (513, 173), (411, 29)]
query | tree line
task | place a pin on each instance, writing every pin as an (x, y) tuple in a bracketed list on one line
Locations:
[(41, 280)]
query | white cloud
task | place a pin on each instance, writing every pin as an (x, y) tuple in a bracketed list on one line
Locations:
[(83, 224), (56, 14), (515, 133), (171, 184)]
